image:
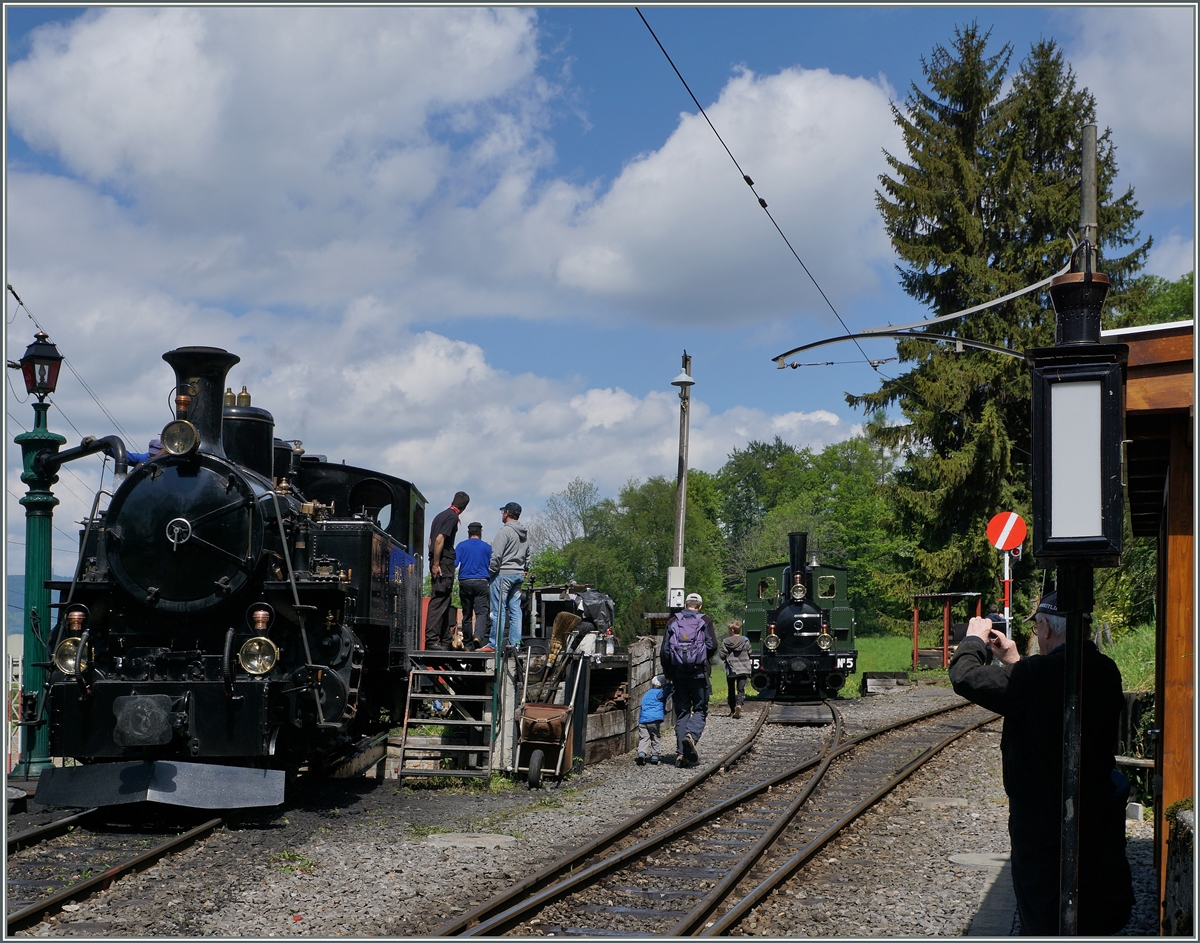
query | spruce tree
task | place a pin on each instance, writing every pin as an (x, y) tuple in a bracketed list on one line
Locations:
[(981, 206)]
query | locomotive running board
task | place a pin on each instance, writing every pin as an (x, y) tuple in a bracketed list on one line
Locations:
[(194, 785)]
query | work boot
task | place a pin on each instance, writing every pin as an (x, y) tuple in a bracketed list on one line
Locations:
[(679, 760), (689, 749), (641, 759), (737, 712), (654, 759)]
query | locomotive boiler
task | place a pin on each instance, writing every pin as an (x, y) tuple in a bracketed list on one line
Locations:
[(241, 611), (800, 625)]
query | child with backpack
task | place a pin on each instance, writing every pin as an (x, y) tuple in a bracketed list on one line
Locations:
[(654, 709), (688, 643)]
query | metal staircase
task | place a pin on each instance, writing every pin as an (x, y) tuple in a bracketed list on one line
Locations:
[(454, 691)]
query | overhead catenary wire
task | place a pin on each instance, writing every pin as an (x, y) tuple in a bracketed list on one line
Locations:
[(874, 364), (70, 366), (74, 474), (55, 526), (750, 183)]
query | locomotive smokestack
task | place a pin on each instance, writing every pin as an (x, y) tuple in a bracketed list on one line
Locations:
[(797, 552), (200, 373)]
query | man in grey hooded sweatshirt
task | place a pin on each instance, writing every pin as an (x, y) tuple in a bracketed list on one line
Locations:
[(508, 569)]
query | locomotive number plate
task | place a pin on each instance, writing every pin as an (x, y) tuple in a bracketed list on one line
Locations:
[(846, 663)]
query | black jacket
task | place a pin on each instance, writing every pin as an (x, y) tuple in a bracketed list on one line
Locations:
[(1030, 696)]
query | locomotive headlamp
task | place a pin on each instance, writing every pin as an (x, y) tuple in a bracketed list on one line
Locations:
[(798, 592), (258, 655), (67, 658), (40, 366), (771, 642), (825, 641), (180, 437)]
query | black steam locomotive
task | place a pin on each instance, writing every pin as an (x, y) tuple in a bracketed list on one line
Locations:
[(800, 623), (242, 610)]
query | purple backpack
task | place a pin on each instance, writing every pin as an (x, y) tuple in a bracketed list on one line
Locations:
[(686, 643)]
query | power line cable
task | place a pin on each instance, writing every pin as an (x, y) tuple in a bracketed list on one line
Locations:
[(873, 364), (55, 526), (750, 183), (104, 409), (21, 543), (74, 474)]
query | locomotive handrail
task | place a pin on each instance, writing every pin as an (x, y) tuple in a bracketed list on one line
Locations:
[(87, 532), (300, 610)]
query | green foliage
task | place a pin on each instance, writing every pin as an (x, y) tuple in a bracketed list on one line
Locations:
[(1125, 594), (980, 206), (291, 862), (837, 497), (1134, 654), (627, 549), (737, 518), (1152, 299)]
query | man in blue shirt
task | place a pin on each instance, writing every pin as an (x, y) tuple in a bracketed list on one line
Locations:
[(473, 557)]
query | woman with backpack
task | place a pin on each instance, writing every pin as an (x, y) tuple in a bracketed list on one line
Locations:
[(735, 653), (689, 641)]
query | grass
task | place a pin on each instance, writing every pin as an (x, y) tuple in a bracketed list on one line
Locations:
[(496, 783), (292, 861), (875, 653), (1134, 654)]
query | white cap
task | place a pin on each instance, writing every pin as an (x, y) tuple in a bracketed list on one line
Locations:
[(693, 597)]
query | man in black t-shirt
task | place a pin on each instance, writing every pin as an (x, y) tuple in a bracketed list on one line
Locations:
[(442, 531)]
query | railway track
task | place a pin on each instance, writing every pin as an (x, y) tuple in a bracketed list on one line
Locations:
[(700, 860), (72, 858)]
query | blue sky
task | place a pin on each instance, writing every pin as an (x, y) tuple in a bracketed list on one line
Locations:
[(468, 246)]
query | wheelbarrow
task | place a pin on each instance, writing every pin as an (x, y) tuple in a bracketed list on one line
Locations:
[(544, 748), (545, 735)]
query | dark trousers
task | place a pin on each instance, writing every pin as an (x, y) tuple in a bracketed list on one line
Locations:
[(1105, 882), (473, 594), (437, 620), (737, 690), (691, 708)]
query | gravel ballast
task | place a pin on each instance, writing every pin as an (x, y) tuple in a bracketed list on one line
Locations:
[(364, 858)]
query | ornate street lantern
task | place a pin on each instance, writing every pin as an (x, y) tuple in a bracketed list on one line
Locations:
[(40, 366), (1078, 427)]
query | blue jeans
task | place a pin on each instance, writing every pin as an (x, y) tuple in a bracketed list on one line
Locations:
[(506, 610)]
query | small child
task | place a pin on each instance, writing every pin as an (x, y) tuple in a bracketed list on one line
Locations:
[(654, 708)]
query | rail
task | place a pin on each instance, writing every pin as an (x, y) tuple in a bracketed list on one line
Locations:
[(39, 911), (519, 903)]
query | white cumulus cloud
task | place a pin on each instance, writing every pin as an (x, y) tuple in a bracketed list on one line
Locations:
[(1139, 62)]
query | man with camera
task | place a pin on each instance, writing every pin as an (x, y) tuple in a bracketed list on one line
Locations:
[(1029, 693)]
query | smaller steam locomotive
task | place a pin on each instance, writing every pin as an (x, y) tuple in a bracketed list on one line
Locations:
[(799, 620)]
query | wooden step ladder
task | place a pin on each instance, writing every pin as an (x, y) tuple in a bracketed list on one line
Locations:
[(437, 679)]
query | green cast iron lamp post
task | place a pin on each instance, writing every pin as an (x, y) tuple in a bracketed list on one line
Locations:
[(40, 367)]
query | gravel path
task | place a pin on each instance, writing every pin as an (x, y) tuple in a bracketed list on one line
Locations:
[(363, 858)]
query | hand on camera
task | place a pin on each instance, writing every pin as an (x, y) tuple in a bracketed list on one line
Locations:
[(1000, 645)]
